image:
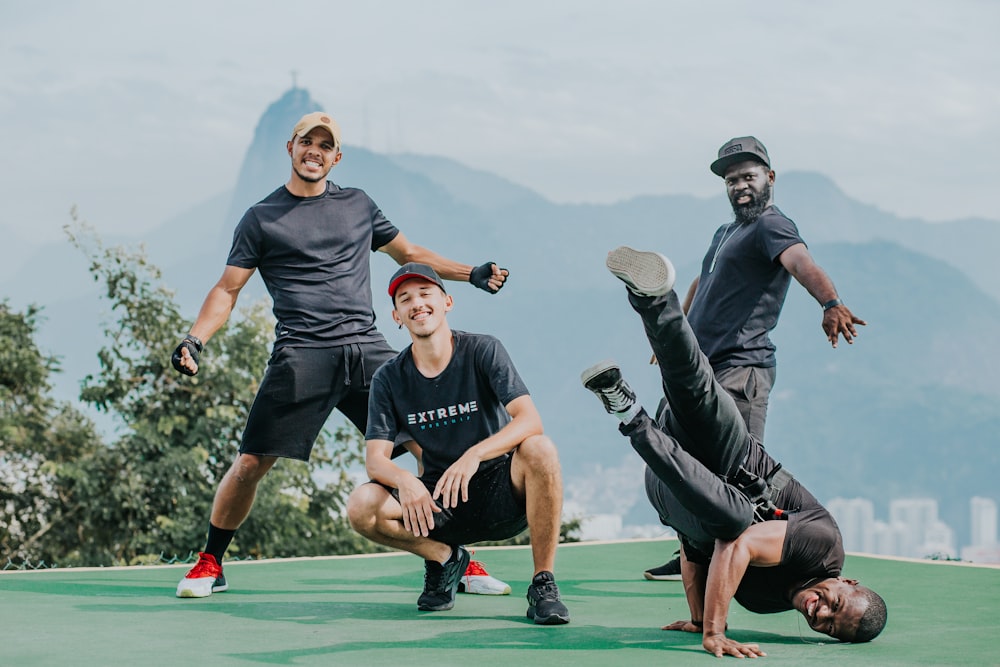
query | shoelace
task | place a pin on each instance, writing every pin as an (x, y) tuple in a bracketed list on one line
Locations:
[(433, 576), (547, 591), (617, 399), (476, 569), (205, 567)]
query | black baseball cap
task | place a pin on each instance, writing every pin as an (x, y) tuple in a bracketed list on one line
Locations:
[(414, 270), (739, 149)]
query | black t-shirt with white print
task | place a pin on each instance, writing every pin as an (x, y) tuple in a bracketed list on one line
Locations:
[(447, 414)]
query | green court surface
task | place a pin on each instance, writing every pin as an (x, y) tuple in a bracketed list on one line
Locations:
[(361, 610)]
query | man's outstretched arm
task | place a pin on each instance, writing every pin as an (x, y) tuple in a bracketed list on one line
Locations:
[(489, 276), (838, 320), (760, 545)]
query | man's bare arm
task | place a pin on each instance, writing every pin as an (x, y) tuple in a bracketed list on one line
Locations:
[(414, 498), (838, 320), (695, 576), (402, 250), (760, 545), (453, 486), (215, 310)]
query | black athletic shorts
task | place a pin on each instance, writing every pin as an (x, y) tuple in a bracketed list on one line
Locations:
[(493, 512), (301, 387)]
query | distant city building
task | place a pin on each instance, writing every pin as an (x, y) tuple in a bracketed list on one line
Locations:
[(984, 547), (984, 522), (856, 518), (915, 520)]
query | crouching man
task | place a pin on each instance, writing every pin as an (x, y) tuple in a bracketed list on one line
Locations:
[(488, 471)]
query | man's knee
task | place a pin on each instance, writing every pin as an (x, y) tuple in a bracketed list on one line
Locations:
[(538, 453), (363, 505), (249, 469)]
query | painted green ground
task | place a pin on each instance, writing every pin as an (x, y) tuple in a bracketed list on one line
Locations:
[(361, 611)]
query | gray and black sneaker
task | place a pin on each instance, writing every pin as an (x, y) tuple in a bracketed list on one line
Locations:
[(606, 381), (544, 605), (645, 273), (441, 581)]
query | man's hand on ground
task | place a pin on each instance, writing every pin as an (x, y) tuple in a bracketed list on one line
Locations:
[(720, 645), (683, 626)]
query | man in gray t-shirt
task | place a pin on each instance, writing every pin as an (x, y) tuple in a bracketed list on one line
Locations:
[(311, 241)]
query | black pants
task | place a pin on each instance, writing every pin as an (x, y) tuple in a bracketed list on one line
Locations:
[(703, 442)]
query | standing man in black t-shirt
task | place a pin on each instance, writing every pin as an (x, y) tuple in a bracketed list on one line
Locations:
[(748, 529), (311, 240), (489, 471), (735, 302)]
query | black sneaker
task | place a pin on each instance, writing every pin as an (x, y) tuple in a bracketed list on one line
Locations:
[(544, 604), (669, 571), (645, 273), (441, 581), (606, 381)]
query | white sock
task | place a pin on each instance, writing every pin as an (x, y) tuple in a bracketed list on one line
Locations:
[(629, 414)]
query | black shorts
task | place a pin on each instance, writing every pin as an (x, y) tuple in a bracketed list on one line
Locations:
[(301, 387), (493, 511)]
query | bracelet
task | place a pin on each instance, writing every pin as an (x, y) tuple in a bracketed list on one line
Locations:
[(831, 303)]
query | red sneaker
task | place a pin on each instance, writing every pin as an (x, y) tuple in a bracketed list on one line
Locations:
[(203, 579), (478, 581)]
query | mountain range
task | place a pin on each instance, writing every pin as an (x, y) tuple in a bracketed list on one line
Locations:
[(910, 409)]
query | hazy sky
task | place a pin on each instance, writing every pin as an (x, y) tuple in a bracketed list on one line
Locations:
[(136, 111)]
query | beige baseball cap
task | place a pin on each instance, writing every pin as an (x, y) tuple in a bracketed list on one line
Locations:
[(317, 119)]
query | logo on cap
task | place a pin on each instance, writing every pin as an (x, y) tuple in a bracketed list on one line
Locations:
[(735, 148)]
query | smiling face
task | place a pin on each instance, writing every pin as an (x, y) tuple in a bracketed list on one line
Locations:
[(832, 606), (313, 155), (420, 305)]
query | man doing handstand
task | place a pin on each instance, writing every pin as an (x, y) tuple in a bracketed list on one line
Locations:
[(748, 529)]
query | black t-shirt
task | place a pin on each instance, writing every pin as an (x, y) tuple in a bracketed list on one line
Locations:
[(447, 414), (813, 549), (313, 255), (741, 291)]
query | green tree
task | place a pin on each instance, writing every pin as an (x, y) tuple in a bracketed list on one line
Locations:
[(40, 441), (150, 491)]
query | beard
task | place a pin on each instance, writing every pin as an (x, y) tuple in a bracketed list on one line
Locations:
[(759, 201)]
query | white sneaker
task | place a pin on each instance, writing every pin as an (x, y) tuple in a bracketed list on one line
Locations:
[(645, 273), (478, 581), (203, 579)]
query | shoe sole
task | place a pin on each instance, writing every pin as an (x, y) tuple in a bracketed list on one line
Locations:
[(646, 273), (662, 577), (553, 619), (595, 370), (477, 590), (190, 593)]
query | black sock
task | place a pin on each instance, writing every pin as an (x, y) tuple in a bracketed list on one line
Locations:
[(218, 541)]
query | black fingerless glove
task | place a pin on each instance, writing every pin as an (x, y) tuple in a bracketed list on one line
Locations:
[(480, 277), (194, 347)]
